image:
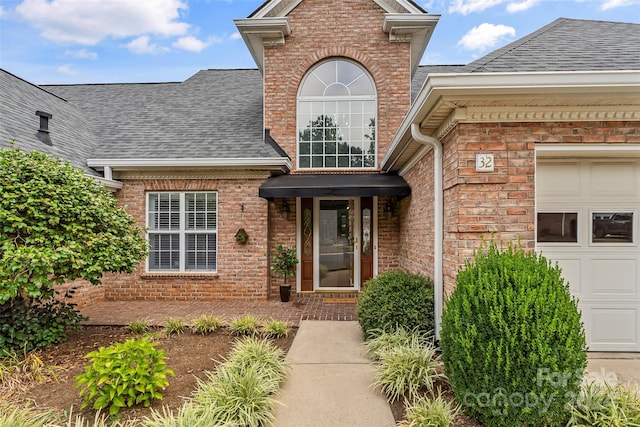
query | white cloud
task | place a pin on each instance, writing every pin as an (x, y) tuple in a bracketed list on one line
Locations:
[(235, 36), (2, 11), (465, 7), (141, 46), (612, 4), (191, 44), (90, 21), (514, 7), (66, 69), (485, 36), (82, 54)]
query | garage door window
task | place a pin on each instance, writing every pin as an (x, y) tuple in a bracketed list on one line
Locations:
[(557, 227), (612, 227)]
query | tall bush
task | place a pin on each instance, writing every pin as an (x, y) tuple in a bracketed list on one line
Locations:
[(396, 299), (513, 344), (58, 225)]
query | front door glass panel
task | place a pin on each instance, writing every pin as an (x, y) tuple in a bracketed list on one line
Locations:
[(336, 254)]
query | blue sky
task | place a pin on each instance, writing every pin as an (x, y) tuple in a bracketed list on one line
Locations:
[(103, 41)]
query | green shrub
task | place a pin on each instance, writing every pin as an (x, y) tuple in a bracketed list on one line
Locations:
[(139, 326), (236, 398), (124, 374), (275, 329), (206, 324), (174, 326), (606, 405), (266, 358), (406, 370), (513, 344), (435, 412), (396, 299), (245, 325), (401, 337), (27, 325)]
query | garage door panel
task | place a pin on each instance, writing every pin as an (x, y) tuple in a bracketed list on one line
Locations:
[(571, 270), (614, 277), (603, 273), (558, 179), (611, 328), (611, 180)]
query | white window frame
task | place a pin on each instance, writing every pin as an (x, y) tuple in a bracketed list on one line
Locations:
[(634, 225), (182, 231), (579, 218), (304, 99)]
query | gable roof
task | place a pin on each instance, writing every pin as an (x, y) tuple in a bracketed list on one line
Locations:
[(403, 21), (567, 45), (71, 132), (213, 114), (569, 69)]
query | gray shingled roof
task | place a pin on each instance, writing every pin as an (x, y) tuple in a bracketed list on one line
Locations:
[(568, 45), (70, 132), (213, 114), (563, 45)]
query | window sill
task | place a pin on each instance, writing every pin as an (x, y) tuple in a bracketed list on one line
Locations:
[(179, 275)]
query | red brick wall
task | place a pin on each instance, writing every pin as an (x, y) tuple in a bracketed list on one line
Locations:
[(335, 28), (282, 231), (478, 205), (388, 235), (242, 269), (416, 229)]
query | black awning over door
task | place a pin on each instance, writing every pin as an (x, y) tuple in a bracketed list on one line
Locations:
[(334, 185)]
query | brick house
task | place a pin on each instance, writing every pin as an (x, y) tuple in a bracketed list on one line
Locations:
[(341, 145)]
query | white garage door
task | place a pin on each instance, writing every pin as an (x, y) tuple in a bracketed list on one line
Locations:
[(587, 220)]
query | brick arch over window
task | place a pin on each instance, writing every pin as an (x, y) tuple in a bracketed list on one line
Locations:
[(336, 116)]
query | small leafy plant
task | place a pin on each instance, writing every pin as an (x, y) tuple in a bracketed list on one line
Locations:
[(206, 324), (245, 325), (284, 263), (174, 326), (239, 393), (275, 329), (261, 355), (434, 412), (405, 370), (235, 398), (401, 337), (139, 326), (606, 405), (124, 374)]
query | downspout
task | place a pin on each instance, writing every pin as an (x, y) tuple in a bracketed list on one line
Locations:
[(438, 220)]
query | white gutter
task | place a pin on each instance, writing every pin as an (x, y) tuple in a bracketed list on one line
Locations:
[(438, 221), (111, 184), (275, 163)]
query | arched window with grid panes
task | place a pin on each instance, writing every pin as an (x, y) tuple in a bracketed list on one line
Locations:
[(337, 117)]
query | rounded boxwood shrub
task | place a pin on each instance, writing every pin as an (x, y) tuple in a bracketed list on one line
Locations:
[(513, 344), (396, 299)]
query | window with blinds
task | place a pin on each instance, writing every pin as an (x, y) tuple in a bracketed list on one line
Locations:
[(183, 231)]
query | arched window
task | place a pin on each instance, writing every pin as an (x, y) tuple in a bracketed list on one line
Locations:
[(337, 117)]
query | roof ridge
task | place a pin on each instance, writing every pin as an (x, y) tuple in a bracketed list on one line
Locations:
[(492, 56), (33, 84)]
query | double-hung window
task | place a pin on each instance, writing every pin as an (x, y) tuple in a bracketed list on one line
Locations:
[(182, 231)]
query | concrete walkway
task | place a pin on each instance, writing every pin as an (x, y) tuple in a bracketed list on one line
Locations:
[(330, 380)]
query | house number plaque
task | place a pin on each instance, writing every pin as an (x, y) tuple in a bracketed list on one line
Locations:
[(484, 163)]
